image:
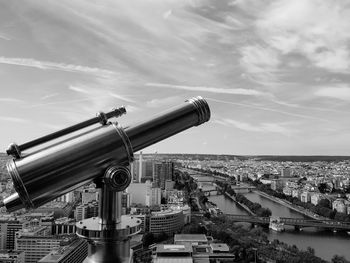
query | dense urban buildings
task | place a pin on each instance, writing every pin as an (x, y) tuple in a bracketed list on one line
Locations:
[(73, 252), (48, 233)]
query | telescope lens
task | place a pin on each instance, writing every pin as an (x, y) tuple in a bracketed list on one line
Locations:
[(118, 178), (121, 179)]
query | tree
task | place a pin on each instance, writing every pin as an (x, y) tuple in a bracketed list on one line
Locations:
[(322, 187), (148, 239), (163, 201), (207, 215), (310, 250), (325, 203), (339, 259)]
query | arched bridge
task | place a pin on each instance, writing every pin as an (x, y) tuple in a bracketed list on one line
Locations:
[(297, 222)]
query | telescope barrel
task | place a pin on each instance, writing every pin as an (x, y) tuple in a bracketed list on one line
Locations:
[(16, 150), (192, 113), (60, 168)]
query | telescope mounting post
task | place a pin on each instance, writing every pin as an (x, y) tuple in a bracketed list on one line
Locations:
[(109, 234)]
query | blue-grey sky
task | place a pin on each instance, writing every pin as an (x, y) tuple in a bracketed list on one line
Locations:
[(275, 73)]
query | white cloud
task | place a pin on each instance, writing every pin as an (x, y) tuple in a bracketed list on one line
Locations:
[(258, 59), (155, 103), (80, 89), (318, 29), (262, 127), (238, 91), (121, 97), (47, 65), (4, 37), (13, 119), (130, 108), (341, 92), (278, 111), (167, 14), (48, 96), (9, 100)]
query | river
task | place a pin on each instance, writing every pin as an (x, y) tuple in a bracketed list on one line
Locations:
[(325, 243)]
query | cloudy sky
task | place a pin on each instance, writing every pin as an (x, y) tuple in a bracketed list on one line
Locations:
[(275, 73)]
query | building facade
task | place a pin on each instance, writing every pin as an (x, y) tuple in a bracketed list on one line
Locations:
[(74, 252), (168, 222), (11, 256)]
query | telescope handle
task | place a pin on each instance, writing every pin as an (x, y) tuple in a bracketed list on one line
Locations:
[(15, 150)]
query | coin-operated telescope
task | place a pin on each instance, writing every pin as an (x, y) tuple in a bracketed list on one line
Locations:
[(85, 152)]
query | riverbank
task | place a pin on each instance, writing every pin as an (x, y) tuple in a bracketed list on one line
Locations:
[(325, 243), (285, 203), (246, 208)]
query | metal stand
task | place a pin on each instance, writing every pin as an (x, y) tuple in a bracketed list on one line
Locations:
[(109, 234)]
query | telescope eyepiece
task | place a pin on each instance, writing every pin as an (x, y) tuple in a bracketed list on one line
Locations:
[(202, 108)]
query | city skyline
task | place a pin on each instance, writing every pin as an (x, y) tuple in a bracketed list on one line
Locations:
[(275, 73)]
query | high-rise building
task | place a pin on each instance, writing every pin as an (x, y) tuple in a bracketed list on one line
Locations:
[(286, 172), (8, 228), (140, 193), (162, 172), (74, 252), (141, 170), (89, 195), (126, 203), (86, 210), (63, 226), (68, 198), (156, 196), (148, 173)]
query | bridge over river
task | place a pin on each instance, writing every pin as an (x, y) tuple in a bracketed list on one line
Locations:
[(296, 222)]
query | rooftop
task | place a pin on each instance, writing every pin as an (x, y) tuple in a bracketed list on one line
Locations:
[(219, 247), (186, 248), (55, 255), (173, 260), (190, 237)]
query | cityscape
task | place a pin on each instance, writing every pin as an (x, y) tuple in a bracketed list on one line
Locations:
[(216, 207), (175, 131)]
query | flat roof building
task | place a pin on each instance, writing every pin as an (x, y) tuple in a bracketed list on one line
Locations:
[(173, 254), (192, 239), (75, 252)]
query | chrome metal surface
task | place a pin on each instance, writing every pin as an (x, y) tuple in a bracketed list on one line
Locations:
[(13, 201), (127, 144), (192, 113), (91, 229), (110, 208), (15, 150), (108, 252), (111, 243), (117, 178), (103, 118), (202, 109), (110, 232), (55, 170)]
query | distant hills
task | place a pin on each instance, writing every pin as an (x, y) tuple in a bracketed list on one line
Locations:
[(280, 158)]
